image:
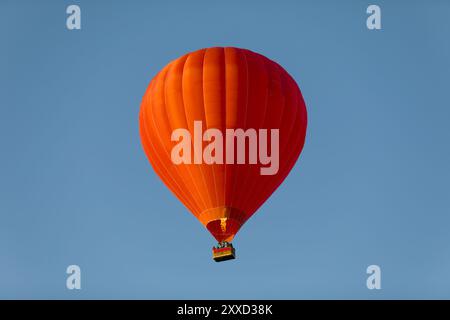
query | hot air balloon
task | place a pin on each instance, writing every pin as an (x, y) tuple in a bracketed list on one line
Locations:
[(193, 115)]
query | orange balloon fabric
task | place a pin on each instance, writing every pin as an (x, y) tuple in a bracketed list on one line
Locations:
[(224, 88)]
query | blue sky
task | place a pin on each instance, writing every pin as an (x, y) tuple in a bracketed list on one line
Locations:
[(371, 186)]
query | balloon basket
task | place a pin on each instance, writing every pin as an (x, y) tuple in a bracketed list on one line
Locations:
[(224, 251)]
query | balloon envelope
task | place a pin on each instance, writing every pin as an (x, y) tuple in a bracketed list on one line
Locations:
[(222, 88)]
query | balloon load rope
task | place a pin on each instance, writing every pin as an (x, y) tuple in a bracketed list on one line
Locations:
[(223, 251)]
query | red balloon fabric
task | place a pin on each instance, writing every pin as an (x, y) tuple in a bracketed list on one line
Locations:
[(255, 110)]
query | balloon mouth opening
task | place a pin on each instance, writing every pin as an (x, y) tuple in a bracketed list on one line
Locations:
[(224, 229), (222, 222)]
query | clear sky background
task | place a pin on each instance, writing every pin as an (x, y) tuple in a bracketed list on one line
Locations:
[(371, 186)]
